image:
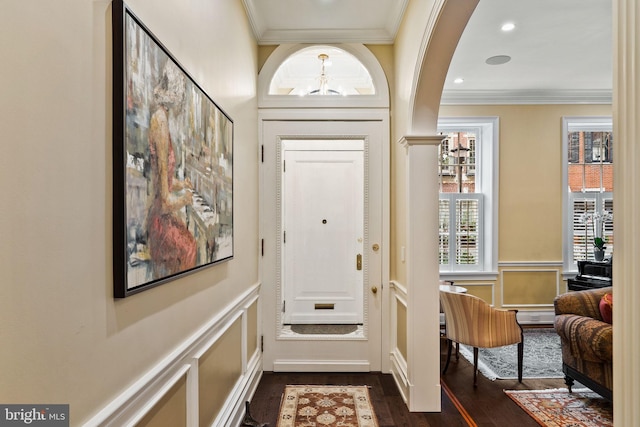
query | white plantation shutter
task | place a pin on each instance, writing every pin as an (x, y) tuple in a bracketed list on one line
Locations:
[(444, 229), (467, 218), (583, 233), (460, 216)]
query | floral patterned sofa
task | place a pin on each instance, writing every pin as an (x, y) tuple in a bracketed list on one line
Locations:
[(587, 339)]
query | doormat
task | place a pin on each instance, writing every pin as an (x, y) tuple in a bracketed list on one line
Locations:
[(326, 406), (317, 329), (542, 357), (558, 407)]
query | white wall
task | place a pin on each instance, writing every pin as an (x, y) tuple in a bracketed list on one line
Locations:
[(64, 339)]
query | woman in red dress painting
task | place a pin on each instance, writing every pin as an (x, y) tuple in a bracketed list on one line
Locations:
[(171, 244)]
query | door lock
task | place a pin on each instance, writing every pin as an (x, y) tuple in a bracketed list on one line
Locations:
[(359, 262)]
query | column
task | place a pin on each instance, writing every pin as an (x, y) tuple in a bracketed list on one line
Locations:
[(423, 328), (626, 269)]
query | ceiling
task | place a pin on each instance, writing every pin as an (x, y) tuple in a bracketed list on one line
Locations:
[(560, 50)]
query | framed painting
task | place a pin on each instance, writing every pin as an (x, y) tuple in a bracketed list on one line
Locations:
[(172, 165)]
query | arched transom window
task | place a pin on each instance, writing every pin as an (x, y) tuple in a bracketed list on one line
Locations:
[(322, 70)]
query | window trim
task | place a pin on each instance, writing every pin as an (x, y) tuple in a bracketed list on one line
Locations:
[(487, 162), (571, 124)]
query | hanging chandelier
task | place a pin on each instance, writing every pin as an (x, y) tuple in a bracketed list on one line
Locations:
[(323, 88)]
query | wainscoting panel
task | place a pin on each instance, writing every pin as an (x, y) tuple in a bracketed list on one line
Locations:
[(529, 287), (486, 291), (203, 382), (401, 327), (398, 338), (218, 370), (171, 410)]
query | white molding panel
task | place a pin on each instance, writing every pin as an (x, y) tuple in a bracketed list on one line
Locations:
[(398, 366), (135, 403), (558, 281)]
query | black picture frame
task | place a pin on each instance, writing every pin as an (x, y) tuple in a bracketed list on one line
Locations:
[(172, 165)]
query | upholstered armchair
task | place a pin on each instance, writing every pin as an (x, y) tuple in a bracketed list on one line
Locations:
[(587, 340), (471, 321)]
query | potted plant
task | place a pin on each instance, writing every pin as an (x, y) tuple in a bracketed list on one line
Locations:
[(597, 220), (598, 252)]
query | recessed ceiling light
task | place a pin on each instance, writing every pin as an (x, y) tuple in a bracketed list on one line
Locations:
[(509, 26), (458, 80), (498, 60)]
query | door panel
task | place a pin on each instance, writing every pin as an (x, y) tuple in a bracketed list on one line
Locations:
[(322, 202), (284, 349)]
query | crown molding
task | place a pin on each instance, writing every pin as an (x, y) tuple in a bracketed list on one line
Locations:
[(511, 97), (344, 35)]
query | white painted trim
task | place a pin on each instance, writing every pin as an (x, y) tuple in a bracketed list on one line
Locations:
[(318, 365), (423, 330), (277, 343), (399, 288), (396, 358), (288, 114), (399, 372), (573, 123), (536, 317), (135, 402), (530, 264), (487, 183), (530, 97)]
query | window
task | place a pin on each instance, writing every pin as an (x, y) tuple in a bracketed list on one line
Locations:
[(322, 70), (588, 183), (467, 170)]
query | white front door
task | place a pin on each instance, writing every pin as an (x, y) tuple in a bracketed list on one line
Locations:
[(324, 252), (322, 206)]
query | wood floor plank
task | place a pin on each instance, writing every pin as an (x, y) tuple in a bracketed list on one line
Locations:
[(486, 404)]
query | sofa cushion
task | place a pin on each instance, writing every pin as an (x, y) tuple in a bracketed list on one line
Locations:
[(606, 307), (587, 338)]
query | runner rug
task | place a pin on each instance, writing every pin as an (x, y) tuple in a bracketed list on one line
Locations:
[(326, 406), (559, 408)]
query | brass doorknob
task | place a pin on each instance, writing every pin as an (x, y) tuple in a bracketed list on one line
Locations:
[(374, 289)]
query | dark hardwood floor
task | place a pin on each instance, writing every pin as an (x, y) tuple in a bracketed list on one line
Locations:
[(486, 405)]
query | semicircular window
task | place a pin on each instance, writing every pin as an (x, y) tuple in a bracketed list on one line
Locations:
[(322, 70)]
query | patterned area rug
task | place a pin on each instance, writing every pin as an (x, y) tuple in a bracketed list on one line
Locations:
[(326, 406), (542, 357), (559, 408)]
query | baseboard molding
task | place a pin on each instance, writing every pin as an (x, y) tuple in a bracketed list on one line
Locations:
[(536, 317), (139, 399), (298, 365)]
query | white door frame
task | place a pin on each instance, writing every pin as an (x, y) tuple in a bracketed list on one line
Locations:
[(283, 351)]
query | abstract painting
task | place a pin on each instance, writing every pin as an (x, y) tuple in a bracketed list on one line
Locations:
[(173, 165)]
